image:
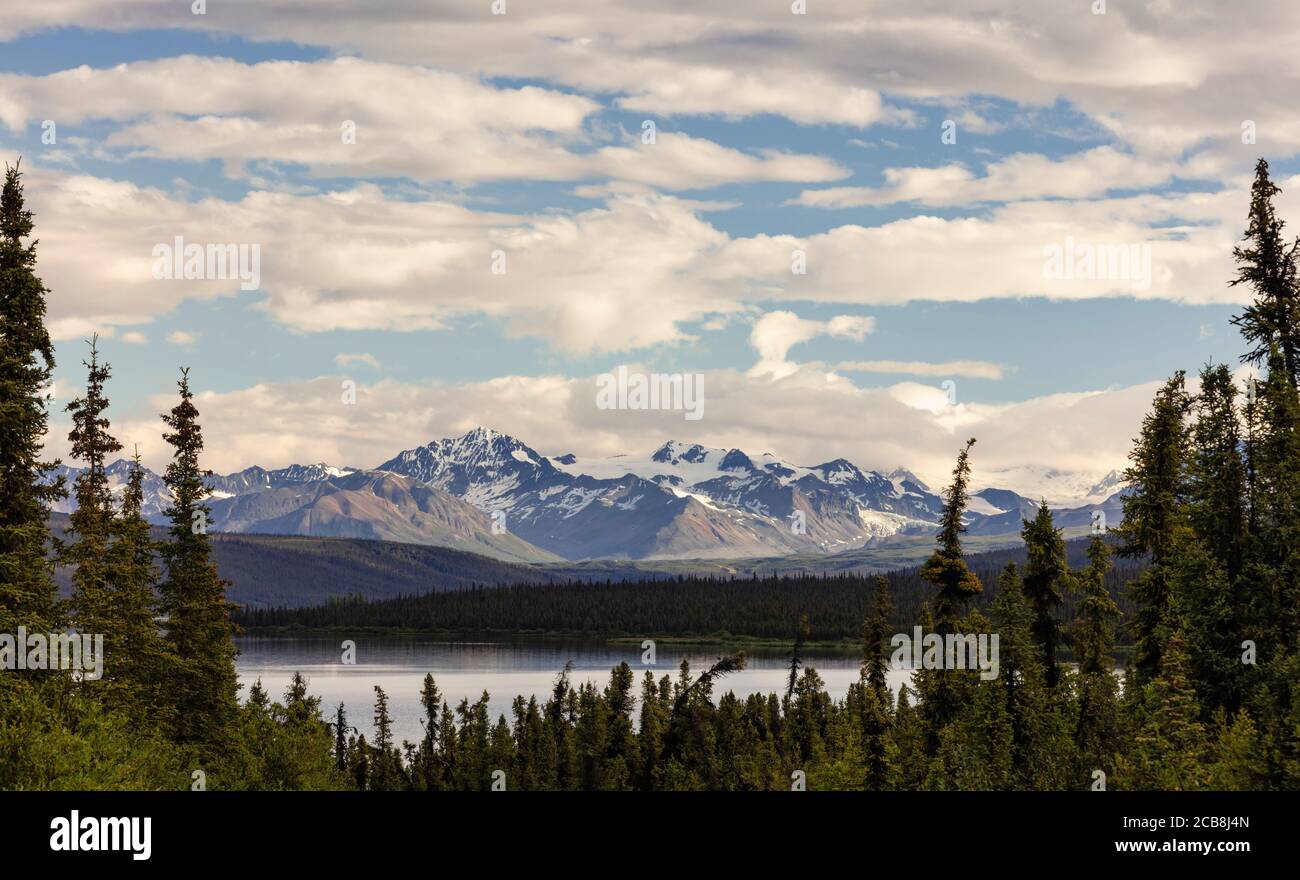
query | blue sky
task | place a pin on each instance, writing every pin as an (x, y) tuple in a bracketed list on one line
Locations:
[(773, 134)]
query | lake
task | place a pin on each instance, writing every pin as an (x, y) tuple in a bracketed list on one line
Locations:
[(503, 668)]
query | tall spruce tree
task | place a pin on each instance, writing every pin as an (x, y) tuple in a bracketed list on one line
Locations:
[(1096, 613), (1155, 519), (1046, 573), (1267, 263), (1216, 604), (134, 574), (94, 604), (203, 686), (1277, 463), (874, 700), (1217, 470), (946, 569), (1096, 733), (27, 590), (875, 659)]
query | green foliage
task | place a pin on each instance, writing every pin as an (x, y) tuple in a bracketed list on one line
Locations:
[(202, 680), (1046, 572), (1155, 519), (946, 569), (27, 593), (57, 736)]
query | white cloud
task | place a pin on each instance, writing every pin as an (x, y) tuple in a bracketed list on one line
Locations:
[(134, 337), (1142, 70), (775, 333), (961, 369), (1017, 177), (182, 338), (352, 118), (369, 360), (625, 275)]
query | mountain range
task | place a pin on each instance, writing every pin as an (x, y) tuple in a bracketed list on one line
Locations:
[(491, 494)]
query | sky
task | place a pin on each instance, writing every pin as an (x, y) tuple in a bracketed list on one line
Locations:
[(864, 224)]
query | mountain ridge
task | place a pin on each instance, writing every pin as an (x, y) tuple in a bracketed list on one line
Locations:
[(489, 492)]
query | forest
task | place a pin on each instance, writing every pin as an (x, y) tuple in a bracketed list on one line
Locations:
[(766, 608), (1208, 549)]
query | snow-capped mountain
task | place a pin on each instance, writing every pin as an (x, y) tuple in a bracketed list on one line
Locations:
[(256, 479), (374, 505), (156, 495), (491, 493), (685, 499), (1058, 487)]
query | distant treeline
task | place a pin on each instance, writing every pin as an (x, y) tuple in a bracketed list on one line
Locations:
[(765, 608)]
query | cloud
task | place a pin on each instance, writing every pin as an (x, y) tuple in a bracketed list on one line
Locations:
[(1140, 72), (182, 338), (134, 337), (961, 369), (369, 360), (1017, 177), (352, 118), (775, 333), (627, 274)]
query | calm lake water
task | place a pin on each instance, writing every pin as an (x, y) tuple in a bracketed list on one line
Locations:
[(503, 669)]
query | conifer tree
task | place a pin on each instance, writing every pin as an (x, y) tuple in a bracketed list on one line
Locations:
[(1096, 733), (94, 607), (1097, 613), (203, 685), (1046, 572), (1217, 471), (1267, 263), (1278, 462), (143, 665), (873, 699), (1155, 519), (1169, 749), (27, 590), (1036, 748), (431, 700), (946, 569), (875, 659), (340, 728)]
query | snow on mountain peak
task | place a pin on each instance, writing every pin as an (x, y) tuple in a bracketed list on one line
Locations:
[(900, 475)]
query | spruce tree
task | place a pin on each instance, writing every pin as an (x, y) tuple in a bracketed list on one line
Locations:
[(1169, 749), (1036, 747), (1267, 263), (1216, 484), (143, 668), (27, 589), (1046, 572), (1096, 734), (1155, 519), (340, 728), (431, 700), (94, 606), (875, 659), (203, 686), (946, 569), (383, 772), (874, 700), (1097, 613)]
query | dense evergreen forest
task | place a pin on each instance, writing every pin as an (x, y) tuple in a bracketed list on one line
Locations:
[(1207, 699), (833, 605)]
